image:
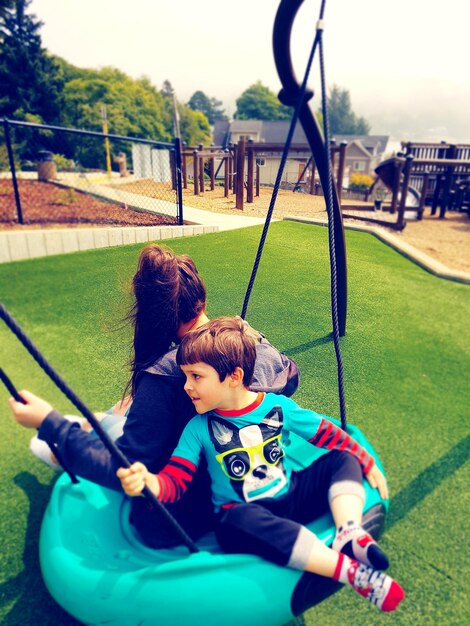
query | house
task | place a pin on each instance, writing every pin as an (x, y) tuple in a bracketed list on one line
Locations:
[(363, 152)]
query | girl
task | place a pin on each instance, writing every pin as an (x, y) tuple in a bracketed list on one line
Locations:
[(170, 300)]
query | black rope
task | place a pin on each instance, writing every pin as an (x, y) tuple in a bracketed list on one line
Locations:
[(12, 389), (318, 41), (115, 452), (331, 239), (303, 173), (282, 164), (10, 386)]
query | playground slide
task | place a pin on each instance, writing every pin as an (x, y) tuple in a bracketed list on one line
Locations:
[(386, 172)]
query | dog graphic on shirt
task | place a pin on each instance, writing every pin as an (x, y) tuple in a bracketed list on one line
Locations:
[(251, 456)]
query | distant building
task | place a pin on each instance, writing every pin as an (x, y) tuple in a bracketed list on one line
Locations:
[(363, 152)]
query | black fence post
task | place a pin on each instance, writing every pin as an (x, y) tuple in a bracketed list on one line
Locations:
[(179, 181), (13, 171)]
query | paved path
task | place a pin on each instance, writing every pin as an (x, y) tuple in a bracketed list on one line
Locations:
[(191, 215), (222, 220)]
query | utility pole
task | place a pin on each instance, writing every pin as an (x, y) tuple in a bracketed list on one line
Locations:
[(104, 119)]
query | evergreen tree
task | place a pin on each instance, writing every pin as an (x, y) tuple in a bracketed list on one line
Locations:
[(211, 107), (167, 89), (5, 6), (30, 81), (343, 120)]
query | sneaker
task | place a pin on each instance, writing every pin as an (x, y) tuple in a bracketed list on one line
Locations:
[(41, 451)]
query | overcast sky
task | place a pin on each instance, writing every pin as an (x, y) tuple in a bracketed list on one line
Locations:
[(405, 63)]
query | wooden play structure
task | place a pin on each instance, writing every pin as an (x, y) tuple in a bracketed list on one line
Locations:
[(240, 166), (441, 173), (423, 174)]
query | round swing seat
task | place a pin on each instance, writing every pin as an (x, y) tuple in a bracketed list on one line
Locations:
[(95, 567)]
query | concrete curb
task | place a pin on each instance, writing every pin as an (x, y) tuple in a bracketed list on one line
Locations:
[(31, 244), (418, 257)]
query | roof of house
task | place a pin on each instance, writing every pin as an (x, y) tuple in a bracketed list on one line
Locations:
[(356, 148), (220, 132), (276, 132), (375, 144)]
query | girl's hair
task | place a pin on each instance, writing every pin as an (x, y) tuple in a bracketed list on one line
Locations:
[(224, 344), (168, 292)]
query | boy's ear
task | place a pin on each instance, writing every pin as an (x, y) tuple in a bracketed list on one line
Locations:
[(236, 377)]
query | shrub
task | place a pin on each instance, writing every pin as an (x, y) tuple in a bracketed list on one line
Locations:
[(64, 164), (360, 182), (65, 197)]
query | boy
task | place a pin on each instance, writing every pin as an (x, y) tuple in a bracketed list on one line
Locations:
[(261, 505)]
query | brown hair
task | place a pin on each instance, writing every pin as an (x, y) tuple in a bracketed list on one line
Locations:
[(223, 343), (168, 292)]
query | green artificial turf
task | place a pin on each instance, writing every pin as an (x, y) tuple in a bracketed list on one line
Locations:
[(406, 374)]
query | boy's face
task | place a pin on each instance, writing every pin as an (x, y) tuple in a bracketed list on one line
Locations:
[(205, 389)]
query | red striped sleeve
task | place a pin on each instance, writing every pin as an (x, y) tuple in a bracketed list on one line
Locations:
[(336, 437), (322, 433), (175, 478), (332, 437)]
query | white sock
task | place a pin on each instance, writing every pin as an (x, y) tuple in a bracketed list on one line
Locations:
[(352, 540)]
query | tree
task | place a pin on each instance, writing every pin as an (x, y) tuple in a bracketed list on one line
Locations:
[(195, 127), (260, 103), (343, 120), (133, 108), (5, 6), (30, 81), (167, 89), (211, 107)]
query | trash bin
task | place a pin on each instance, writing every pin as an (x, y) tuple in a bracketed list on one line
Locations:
[(46, 166), (121, 160)]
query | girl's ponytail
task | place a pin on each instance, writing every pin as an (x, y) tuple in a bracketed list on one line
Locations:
[(168, 292)]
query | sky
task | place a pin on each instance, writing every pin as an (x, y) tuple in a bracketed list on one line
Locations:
[(405, 63)]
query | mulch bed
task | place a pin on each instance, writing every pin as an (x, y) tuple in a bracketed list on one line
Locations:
[(46, 203)]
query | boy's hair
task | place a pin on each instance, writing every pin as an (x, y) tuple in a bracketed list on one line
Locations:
[(222, 343)]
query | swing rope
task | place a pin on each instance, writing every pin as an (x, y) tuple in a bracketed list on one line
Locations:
[(302, 94), (331, 238), (12, 389), (114, 451), (285, 153)]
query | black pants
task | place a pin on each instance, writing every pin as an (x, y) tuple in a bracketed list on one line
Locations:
[(270, 527), (194, 512)]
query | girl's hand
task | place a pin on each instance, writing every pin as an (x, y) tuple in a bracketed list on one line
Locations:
[(377, 480), (31, 414)]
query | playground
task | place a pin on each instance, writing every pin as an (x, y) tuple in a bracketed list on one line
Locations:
[(402, 381), (445, 240), (405, 377)]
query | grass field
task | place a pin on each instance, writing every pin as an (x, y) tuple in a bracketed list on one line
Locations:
[(406, 359)]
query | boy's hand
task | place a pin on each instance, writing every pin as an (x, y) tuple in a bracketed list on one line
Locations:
[(377, 480), (135, 478), (31, 414)]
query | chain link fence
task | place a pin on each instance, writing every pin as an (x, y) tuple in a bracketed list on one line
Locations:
[(55, 175)]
